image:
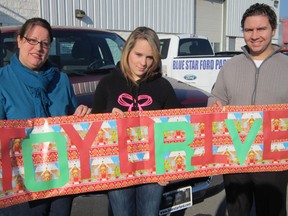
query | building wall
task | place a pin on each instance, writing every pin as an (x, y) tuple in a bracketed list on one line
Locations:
[(162, 15), (219, 20), (209, 20), (16, 12)]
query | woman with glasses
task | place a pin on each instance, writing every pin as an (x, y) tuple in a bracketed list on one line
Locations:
[(31, 88)]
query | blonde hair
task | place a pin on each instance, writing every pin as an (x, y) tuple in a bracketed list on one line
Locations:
[(151, 37)]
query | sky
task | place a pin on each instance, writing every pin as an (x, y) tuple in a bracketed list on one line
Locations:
[(283, 9)]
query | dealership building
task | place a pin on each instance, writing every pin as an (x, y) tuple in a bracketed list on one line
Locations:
[(219, 20)]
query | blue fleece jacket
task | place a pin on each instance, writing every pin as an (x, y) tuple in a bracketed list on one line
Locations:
[(26, 94)]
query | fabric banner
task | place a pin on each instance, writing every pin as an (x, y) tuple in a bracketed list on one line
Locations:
[(49, 157)]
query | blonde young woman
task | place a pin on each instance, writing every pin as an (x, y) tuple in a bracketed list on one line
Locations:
[(136, 84)]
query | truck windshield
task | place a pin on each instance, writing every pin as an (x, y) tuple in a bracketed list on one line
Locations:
[(77, 51), (194, 47), (74, 51), (164, 47)]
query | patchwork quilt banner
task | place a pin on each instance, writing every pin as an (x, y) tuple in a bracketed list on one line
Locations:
[(49, 157)]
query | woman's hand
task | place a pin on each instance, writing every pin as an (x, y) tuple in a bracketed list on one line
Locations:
[(82, 110), (163, 183), (116, 110)]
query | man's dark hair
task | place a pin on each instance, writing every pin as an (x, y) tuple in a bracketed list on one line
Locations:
[(260, 9)]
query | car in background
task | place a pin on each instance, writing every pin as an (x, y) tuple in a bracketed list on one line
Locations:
[(228, 53), (284, 51), (86, 55), (233, 53)]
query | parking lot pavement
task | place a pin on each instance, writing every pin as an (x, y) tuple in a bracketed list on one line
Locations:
[(91, 204), (97, 205)]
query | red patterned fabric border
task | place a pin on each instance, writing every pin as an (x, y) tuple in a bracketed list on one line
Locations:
[(49, 157)]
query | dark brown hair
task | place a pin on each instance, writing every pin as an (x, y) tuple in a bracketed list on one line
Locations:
[(260, 9), (36, 21)]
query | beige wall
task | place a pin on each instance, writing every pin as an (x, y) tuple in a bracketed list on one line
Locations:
[(14, 12), (209, 19)]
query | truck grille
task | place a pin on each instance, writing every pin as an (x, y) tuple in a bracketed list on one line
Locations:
[(84, 87)]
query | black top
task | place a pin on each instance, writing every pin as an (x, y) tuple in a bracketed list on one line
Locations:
[(114, 90)]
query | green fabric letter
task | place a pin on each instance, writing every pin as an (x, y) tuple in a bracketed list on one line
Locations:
[(242, 149), (29, 173), (161, 148)]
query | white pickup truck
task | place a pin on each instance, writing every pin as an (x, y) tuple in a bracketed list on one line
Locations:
[(190, 59)]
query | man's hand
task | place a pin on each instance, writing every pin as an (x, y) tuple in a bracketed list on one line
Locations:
[(216, 103)]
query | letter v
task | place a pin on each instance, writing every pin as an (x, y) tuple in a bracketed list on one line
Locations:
[(242, 149)]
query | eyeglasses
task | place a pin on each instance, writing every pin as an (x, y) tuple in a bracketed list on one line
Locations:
[(44, 44)]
